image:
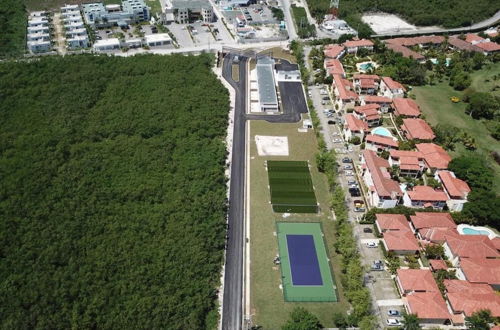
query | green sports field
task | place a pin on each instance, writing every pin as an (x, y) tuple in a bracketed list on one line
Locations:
[(291, 187), (325, 292)]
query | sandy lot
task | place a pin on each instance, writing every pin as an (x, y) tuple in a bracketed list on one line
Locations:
[(272, 145), (385, 23)]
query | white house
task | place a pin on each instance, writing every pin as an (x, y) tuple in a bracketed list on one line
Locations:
[(457, 190), (107, 45), (391, 88)]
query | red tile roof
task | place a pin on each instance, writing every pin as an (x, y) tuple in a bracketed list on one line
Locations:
[(382, 140), (355, 124), (366, 76), (455, 187), (392, 222), (469, 297), (437, 234), (496, 242), (406, 153), (416, 40), (358, 43), (383, 184), (405, 51), (435, 156), (481, 270), (409, 163), (472, 246), (334, 67), (432, 220), (369, 111), (367, 83), (416, 128), (400, 241), (344, 88), (405, 107), (333, 51), (377, 99), (427, 305), (463, 45), (427, 194), (472, 37), (489, 46), (392, 84), (417, 280), (438, 264)]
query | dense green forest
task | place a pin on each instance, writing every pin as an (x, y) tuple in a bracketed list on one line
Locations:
[(113, 194), (12, 28)]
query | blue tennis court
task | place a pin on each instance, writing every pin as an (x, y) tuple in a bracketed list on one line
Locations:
[(304, 263)]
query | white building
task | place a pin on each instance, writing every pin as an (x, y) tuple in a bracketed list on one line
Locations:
[(38, 36), (107, 45), (186, 11), (160, 39), (391, 88), (268, 98)]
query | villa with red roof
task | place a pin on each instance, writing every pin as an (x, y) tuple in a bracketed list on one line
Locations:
[(366, 83), (480, 270), (378, 143), (405, 52), (383, 191), (391, 222), (382, 101), (352, 46), (436, 235), (369, 113), (435, 157), (421, 41), (425, 196), (426, 220), (410, 163), (391, 88), (400, 242), (334, 67), (466, 298), (456, 189), (344, 92), (415, 280), (469, 246), (485, 45), (405, 107), (416, 128), (354, 127), (334, 51)]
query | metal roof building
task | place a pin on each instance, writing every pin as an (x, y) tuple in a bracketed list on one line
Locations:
[(267, 90)]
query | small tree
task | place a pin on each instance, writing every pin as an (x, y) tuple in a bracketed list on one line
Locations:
[(479, 320), (302, 319), (355, 140), (410, 322), (434, 251)]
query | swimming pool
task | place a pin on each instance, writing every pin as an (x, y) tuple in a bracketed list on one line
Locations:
[(470, 231), (474, 230), (366, 66), (381, 131)]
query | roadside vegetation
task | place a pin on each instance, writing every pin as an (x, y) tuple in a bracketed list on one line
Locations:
[(13, 22), (304, 29), (113, 192)]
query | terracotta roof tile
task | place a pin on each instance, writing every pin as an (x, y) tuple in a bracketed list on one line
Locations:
[(432, 220), (344, 88), (383, 184), (377, 99), (489, 46), (334, 67), (405, 51), (469, 297), (392, 222), (400, 241), (405, 107), (428, 305), (365, 76), (455, 187), (333, 51), (416, 128), (434, 155), (426, 193), (437, 234), (392, 84), (481, 270), (355, 124), (417, 280), (472, 246), (358, 43), (463, 45), (438, 264), (382, 140)]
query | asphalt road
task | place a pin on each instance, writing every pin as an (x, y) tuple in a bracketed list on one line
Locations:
[(232, 309)]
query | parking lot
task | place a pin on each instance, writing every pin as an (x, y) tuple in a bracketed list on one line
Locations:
[(380, 282)]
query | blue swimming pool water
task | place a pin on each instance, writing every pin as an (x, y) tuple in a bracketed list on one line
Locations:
[(366, 66), (381, 131), (470, 231)]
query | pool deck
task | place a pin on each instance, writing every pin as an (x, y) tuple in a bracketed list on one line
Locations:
[(491, 233)]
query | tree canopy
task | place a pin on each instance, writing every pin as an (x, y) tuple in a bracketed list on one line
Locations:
[(113, 194), (13, 28), (302, 319)]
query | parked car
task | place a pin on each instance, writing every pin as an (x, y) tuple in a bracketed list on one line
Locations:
[(349, 173), (347, 167), (346, 160), (354, 191), (351, 182), (393, 312), (367, 230), (377, 267), (337, 140), (393, 322), (371, 244), (378, 262)]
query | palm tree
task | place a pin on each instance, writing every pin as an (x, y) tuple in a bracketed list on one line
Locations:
[(410, 322)]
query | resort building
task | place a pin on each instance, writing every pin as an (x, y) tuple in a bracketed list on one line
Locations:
[(435, 157), (155, 40), (368, 113), (424, 197), (400, 242), (76, 33), (480, 270), (406, 52), (391, 222), (380, 143), (466, 298), (391, 88), (417, 129), (456, 189), (354, 127), (405, 107), (352, 46), (469, 246), (367, 84), (334, 67), (382, 101), (334, 51), (429, 220), (410, 163), (97, 15), (430, 308), (107, 45), (345, 97), (38, 36), (383, 191), (415, 280)]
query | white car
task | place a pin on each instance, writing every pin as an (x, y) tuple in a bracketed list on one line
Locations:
[(349, 173), (393, 322), (371, 244)]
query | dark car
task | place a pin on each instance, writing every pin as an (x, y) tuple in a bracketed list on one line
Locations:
[(354, 192), (346, 160), (367, 230)]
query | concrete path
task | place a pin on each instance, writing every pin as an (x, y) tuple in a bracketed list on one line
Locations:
[(59, 34)]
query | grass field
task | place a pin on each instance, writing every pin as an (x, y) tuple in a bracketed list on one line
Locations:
[(324, 292), (291, 187), (268, 306), (438, 109)]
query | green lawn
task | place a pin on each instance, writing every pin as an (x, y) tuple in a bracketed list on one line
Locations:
[(268, 306), (483, 80), (435, 103)]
